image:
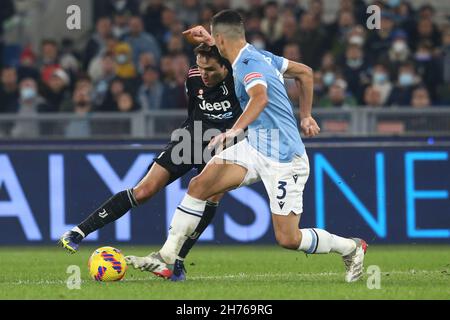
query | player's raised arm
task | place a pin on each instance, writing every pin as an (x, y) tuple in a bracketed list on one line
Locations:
[(197, 35), (303, 76)]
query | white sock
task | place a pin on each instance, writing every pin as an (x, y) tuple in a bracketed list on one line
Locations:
[(184, 222), (321, 241), (78, 230)]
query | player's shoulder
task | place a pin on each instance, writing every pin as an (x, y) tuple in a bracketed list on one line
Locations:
[(193, 72), (250, 64), (193, 79), (247, 61)]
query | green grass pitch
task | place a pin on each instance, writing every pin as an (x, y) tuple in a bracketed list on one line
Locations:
[(233, 272)]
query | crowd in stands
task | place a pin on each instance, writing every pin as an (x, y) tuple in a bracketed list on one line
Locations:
[(137, 59)]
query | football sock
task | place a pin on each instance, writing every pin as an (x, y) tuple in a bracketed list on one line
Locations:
[(184, 222), (114, 208), (208, 215), (78, 230), (321, 241)]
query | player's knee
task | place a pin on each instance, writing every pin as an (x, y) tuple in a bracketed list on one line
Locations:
[(197, 186), (145, 191), (288, 242)]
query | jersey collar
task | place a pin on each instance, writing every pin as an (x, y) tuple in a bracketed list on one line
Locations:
[(239, 54)]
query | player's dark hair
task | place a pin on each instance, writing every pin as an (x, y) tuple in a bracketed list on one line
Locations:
[(228, 17), (210, 52)]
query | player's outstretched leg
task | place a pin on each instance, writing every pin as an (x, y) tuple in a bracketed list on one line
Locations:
[(152, 263), (319, 241), (206, 219), (176, 272), (116, 206), (187, 220)]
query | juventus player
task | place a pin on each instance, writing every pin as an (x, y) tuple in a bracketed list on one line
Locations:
[(212, 105)]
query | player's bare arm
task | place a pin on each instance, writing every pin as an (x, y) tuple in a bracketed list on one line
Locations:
[(303, 76), (199, 34), (258, 101)]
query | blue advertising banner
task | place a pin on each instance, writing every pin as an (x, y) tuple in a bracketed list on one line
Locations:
[(383, 191)]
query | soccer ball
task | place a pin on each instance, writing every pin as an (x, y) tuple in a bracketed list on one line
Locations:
[(107, 264)]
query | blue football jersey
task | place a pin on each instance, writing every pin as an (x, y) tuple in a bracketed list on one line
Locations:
[(274, 133)]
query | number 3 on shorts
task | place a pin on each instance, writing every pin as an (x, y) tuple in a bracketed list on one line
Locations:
[(282, 187)]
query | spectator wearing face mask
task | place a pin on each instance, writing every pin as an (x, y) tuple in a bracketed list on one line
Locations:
[(70, 58), (258, 40), (125, 68), (381, 82), (30, 103), (354, 71), (398, 53), (356, 36), (328, 69), (120, 27), (406, 82), (328, 78)]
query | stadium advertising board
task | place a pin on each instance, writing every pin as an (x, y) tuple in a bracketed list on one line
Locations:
[(385, 193)]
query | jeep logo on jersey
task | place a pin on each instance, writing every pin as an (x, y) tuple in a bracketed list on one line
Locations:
[(218, 106)]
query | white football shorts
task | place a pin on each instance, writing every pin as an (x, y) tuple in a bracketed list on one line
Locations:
[(284, 182)]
